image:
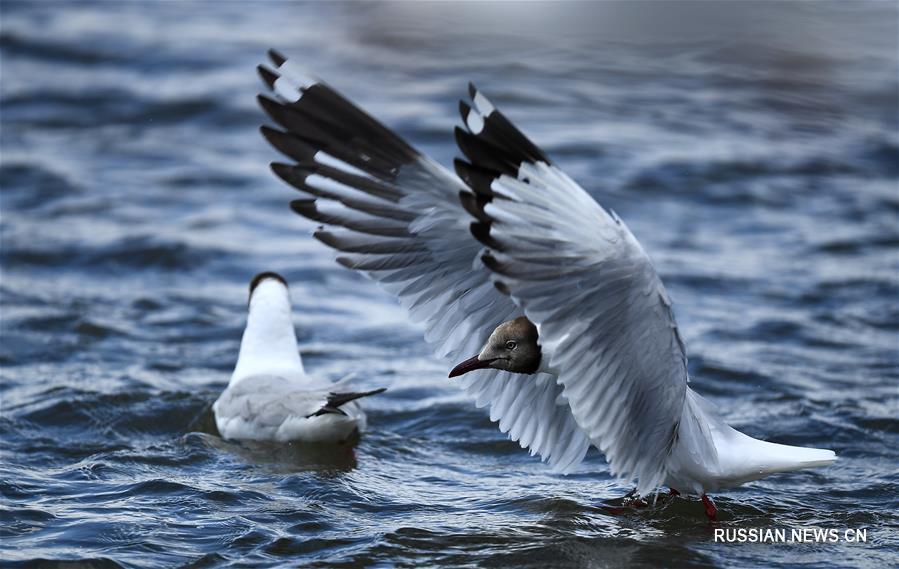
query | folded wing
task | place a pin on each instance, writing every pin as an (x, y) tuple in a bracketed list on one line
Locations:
[(395, 215), (581, 276)]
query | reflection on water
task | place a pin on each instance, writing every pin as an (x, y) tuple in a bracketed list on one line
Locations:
[(277, 457), (752, 147), (289, 458)]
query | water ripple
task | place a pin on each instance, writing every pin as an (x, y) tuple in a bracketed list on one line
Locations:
[(752, 148)]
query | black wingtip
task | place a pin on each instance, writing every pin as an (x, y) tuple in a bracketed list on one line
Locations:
[(464, 110), (268, 76), (269, 105), (465, 141), (276, 110), (277, 57), (478, 179), (472, 90), (335, 400), (474, 205), (486, 155), (289, 145), (264, 100), (481, 232), (459, 133), (306, 208), (491, 262), (461, 168), (323, 236), (326, 410), (282, 170), (338, 399), (269, 134)]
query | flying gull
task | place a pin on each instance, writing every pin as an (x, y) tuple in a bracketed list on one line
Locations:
[(575, 338), (270, 397)]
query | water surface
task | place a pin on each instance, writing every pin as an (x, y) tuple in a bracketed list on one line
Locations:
[(752, 148)]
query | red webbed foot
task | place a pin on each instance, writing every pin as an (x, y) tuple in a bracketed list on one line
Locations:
[(710, 510)]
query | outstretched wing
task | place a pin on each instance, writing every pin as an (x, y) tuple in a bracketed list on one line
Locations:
[(396, 216), (581, 276)]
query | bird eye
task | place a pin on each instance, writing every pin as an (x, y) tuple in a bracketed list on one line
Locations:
[(511, 345)]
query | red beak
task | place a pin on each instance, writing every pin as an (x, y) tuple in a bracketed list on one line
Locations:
[(470, 364)]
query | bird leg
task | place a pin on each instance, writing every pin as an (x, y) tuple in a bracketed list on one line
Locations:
[(710, 510)]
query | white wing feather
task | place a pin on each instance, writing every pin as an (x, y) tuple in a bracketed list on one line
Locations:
[(604, 319), (396, 216)]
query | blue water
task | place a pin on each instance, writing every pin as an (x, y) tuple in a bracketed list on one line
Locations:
[(753, 148)]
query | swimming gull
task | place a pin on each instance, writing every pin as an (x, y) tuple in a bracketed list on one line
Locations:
[(270, 396)]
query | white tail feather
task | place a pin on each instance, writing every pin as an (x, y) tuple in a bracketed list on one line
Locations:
[(710, 455), (757, 458)]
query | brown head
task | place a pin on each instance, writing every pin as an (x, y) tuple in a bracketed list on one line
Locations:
[(512, 347), (263, 276)]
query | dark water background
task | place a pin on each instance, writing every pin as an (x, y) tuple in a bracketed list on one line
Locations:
[(752, 147)]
